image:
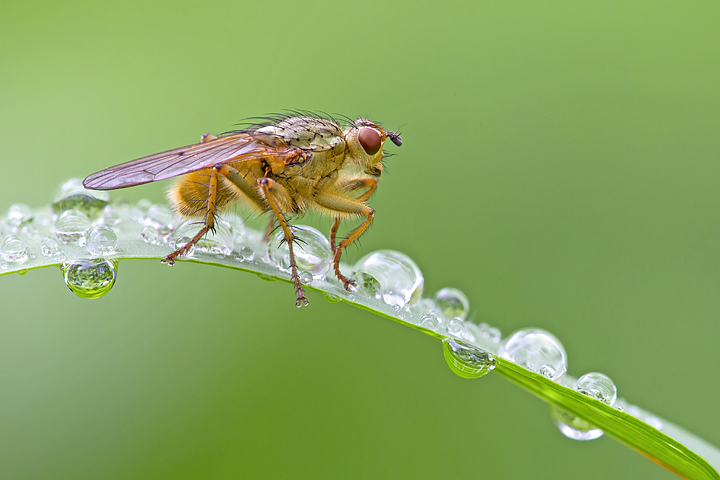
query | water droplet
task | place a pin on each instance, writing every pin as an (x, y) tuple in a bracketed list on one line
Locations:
[(22, 272), (180, 243), (489, 333), (306, 277), (247, 253), (71, 226), (49, 246), (267, 277), (537, 350), (312, 251), (219, 243), (152, 236), (351, 297), (455, 327), (597, 386), (101, 241), (73, 196), (111, 218), (332, 298), (59, 256), (429, 321), (90, 278), (161, 218), (466, 360), (14, 250), (19, 214), (391, 277), (452, 303), (572, 426)]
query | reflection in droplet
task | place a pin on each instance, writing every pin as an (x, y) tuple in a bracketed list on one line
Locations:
[(19, 214), (101, 241), (71, 226), (455, 327), (597, 386), (312, 251), (73, 196), (466, 360), (572, 426), (537, 350), (391, 277), (14, 250), (90, 278), (452, 303)]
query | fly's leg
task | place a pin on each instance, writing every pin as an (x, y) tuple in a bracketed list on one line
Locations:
[(266, 186), (209, 220), (352, 207), (350, 185), (333, 233), (269, 230)]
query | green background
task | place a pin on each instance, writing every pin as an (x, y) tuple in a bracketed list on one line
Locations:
[(560, 167)]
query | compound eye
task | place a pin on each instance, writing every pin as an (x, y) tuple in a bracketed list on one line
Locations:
[(370, 140)]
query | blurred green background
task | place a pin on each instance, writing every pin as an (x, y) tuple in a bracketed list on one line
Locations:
[(560, 166)]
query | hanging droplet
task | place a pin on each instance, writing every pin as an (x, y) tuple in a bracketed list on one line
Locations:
[(391, 277), (19, 214), (90, 278), (537, 350), (312, 251), (101, 241), (572, 426), (332, 298), (14, 250), (73, 196), (266, 277), (71, 226), (466, 360), (452, 303)]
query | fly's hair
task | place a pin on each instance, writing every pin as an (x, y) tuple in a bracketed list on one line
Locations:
[(251, 124)]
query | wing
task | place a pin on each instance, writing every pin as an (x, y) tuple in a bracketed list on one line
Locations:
[(233, 148)]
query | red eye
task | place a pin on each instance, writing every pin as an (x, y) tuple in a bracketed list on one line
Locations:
[(370, 140)]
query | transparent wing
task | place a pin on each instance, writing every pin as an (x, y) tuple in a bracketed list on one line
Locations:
[(233, 148)]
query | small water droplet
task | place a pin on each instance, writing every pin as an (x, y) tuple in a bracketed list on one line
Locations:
[(247, 253), (466, 360), (537, 350), (489, 333), (152, 236), (90, 278), (306, 277), (19, 214), (14, 250), (111, 218), (332, 298), (218, 243), (455, 327), (351, 297), (391, 277), (452, 303), (59, 256), (312, 251), (22, 272), (73, 196), (597, 386), (429, 321), (71, 226), (573, 427), (101, 241)]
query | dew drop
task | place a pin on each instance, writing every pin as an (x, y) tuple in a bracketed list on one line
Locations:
[(151, 235), (14, 250), (71, 226), (247, 253), (90, 278), (161, 218), (19, 214), (391, 277), (466, 360), (351, 297), (312, 251), (306, 277), (266, 277), (101, 241), (218, 243), (332, 298), (573, 427), (73, 196), (22, 272), (429, 321), (489, 333), (597, 386), (111, 218), (452, 303), (537, 350), (455, 327)]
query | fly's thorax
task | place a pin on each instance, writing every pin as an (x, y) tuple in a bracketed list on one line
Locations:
[(312, 134)]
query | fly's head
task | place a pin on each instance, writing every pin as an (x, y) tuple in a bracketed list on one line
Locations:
[(365, 141)]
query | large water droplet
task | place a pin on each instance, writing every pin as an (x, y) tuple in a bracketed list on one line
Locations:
[(391, 277), (572, 426), (73, 196), (466, 360), (19, 214), (14, 250), (71, 226), (101, 241), (90, 278), (452, 303), (312, 251), (537, 350)]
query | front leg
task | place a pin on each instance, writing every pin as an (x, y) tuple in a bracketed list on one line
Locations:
[(350, 186)]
